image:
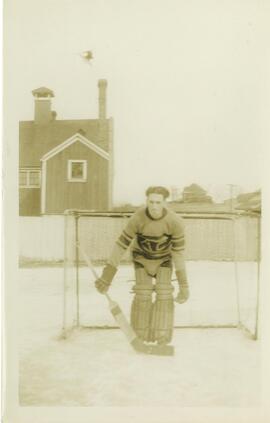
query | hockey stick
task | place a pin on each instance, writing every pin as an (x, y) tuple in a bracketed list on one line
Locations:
[(124, 325)]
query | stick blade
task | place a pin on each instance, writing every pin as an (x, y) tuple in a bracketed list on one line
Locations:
[(162, 350)]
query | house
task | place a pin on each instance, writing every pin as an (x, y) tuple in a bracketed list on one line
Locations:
[(195, 194), (249, 201), (65, 164)]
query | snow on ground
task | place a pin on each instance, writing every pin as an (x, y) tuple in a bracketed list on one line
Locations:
[(93, 367)]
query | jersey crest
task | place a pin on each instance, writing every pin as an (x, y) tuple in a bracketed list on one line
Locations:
[(154, 245)]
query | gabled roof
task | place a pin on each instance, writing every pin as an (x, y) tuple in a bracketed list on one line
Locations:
[(75, 138), (194, 188), (35, 141), (43, 92)]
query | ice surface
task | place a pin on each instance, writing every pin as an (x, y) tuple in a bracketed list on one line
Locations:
[(211, 367)]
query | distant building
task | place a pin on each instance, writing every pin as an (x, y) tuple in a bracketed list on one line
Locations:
[(65, 164), (249, 201), (195, 194)]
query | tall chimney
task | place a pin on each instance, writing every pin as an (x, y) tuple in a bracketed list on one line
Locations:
[(102, 85), (43, 114)]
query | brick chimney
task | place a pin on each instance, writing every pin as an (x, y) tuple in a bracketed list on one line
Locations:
[(102, 85), (43, 113)]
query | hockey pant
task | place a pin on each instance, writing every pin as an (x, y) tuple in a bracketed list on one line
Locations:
[(153, 321)]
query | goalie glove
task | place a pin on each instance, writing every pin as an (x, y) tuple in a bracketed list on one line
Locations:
[(103, 283), (183, 294)]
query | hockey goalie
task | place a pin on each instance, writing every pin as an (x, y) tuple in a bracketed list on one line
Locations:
[(156, 237)]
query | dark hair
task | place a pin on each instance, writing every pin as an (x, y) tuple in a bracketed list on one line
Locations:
[(157, 190)]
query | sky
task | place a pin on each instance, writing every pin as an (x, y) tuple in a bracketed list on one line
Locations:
[(187, 84)]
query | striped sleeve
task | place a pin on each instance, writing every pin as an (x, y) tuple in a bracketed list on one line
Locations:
[(178, 236), (123, 242), (178, 244)]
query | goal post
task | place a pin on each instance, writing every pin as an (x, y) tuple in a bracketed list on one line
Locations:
[(223, 264)]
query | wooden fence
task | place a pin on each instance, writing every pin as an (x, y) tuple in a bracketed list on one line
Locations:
[(207, 237)]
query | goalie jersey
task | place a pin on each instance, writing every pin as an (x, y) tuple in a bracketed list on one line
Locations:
[(153, 241)]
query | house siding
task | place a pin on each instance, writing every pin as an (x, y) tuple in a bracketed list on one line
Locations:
[(62, 194), (29, 202)]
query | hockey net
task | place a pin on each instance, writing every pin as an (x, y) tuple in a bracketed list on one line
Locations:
[(223, 266)]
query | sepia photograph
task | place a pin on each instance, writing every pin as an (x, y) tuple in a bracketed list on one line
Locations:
[(135, 161)]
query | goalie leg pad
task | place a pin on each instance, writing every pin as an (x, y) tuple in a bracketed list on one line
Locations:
[(142, 304), (162, 318)]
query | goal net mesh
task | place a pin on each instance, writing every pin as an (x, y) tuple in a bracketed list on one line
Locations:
[(223, 257)]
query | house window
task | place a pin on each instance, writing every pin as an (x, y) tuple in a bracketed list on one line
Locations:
[(34, 179), (77, 170), (23, 178), (29, 178)]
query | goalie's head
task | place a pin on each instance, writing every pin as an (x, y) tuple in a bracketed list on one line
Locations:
[(156, 200), (157, 190)]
